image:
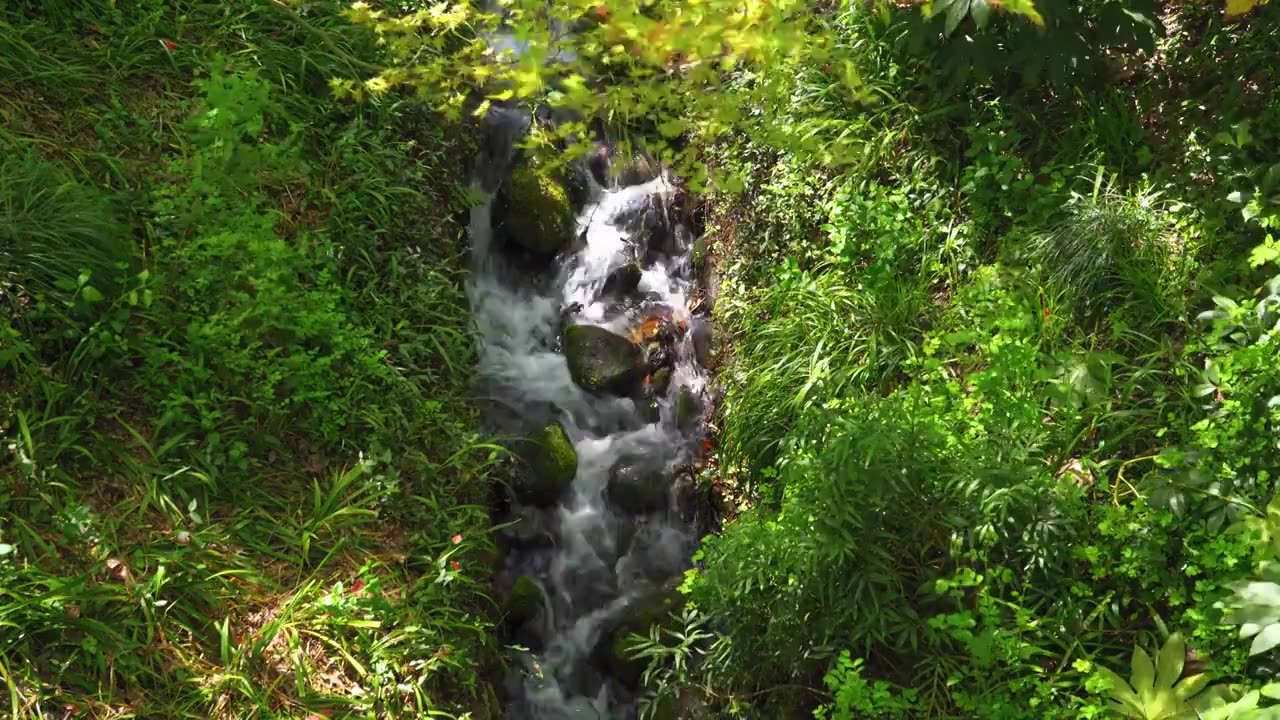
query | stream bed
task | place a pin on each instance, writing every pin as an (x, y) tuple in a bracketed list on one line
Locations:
[(590, 365)]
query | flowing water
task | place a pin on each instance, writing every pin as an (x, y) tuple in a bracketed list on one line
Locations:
[(601, 562)]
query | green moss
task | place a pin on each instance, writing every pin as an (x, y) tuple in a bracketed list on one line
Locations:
[(539, 217), (557, 461), (551, 464), (524, 601)]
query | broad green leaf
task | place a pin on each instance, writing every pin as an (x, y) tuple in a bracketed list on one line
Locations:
[(981, 12), (1189, 686), (1120, 690), (955, 14), (1143, 677), (1169, 661)]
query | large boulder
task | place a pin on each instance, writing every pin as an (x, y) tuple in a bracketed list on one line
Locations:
[(550, 465), (602, 362), (623, 280), (637, 489), (535, 212)]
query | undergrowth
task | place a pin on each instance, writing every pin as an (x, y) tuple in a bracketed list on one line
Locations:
[(240, 479), (1003, 391)]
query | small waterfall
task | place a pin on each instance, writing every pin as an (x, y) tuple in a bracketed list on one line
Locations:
[(601, 560)]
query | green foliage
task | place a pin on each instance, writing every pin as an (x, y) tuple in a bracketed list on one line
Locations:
[(1059, 41), (239, 478), (856, 697), (1110, 250), (1154, 690), (970, 412)]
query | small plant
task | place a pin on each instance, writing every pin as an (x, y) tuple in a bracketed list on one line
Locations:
[(1156, 690)]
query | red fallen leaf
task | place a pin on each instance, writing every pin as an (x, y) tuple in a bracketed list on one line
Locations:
[(454, 564), (357, 586), (168, 44)]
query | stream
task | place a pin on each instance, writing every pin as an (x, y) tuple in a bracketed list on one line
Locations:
[(618, 538)]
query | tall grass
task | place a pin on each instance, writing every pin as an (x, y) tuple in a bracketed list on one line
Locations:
[(53, 229), (802, 343), (1113, 248)]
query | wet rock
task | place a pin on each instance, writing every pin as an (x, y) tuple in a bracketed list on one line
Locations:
[(598, 165), (647, 406), (703, 334), (523, 611), (637, 489), (602, 362), (657, 552), (650, 222), (688, 408), (551, 462), (528, 528), (501, 130), (623, 281), (534, 212), (640, 170), (690, 500)]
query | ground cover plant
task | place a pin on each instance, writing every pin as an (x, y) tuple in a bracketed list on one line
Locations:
[(240, 478), (1000, 403)]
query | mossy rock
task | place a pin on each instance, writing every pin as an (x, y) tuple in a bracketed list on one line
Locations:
[(660, 380), (523, 602), (537, 214), (551, 465), (602, 362)]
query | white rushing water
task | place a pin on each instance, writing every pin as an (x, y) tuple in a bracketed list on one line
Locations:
[(600, 560)]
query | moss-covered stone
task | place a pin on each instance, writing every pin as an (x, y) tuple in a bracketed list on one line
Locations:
[(551, 463), (523, 602), (602, 362), (536, 213)]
